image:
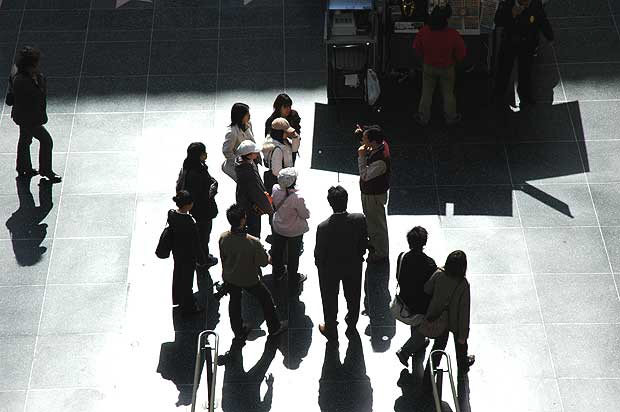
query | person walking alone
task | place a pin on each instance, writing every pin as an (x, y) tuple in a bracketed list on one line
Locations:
[(29, 112), (242, 256)]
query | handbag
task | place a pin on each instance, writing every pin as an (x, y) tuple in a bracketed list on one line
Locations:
[(398, 307), (164, 246), (437, 327)]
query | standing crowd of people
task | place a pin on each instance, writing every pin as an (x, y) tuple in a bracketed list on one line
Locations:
[(344, 238)]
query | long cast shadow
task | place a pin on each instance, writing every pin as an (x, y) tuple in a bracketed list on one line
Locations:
[(344, 386), (25, 224), (177, 360)]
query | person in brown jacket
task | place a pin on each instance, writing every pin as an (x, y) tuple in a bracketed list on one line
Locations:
[(242, 256), (450, 289)]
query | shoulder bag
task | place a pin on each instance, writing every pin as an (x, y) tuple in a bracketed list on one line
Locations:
[(398, 307), (164, 246)]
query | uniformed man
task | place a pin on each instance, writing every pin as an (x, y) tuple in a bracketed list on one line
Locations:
[(522, 21)]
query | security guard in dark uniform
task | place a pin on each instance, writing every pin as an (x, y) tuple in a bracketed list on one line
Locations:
[(522, 21)]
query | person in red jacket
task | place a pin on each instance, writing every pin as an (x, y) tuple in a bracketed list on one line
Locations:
[(440, 47)]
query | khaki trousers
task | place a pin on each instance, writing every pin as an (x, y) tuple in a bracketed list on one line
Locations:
[(376, 220), (445, 77)]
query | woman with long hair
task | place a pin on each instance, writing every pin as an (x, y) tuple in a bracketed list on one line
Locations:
[(29, 112), (202, 187), (283, 107), (240, 129), (450, 291)]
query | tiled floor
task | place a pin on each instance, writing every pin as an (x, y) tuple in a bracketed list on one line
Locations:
[(86, 321)]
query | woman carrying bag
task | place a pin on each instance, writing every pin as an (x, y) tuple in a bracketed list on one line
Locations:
[(414, 269), (186, 252), (449, 309)]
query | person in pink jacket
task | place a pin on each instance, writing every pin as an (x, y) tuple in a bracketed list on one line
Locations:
[(289, 225)]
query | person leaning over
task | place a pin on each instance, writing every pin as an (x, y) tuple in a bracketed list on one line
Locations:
[(29, 112), (242, 256), (375, 169), (341, 242), (278, 150), (448, 286), (414, 269), (282, 107), (441, 48), (251, 193)]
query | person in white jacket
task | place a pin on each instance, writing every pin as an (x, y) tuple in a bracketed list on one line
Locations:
[(289, 225), (240, 129), (278, 150)]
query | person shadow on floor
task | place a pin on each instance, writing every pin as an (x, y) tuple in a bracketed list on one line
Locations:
[(382, 325), (177, 360), (25, 224), (417, 391), (296, 347), (344, 386), (241, 390)]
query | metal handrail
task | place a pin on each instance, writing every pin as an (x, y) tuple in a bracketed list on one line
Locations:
[(204, 344), (435, 372)]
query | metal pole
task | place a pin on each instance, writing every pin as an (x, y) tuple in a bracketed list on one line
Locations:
[(203, 344), (434, 373)]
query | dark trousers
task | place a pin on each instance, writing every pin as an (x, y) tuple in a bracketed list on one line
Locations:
[(286, 250), (525, 58), (329, 281), (26, 133), (204, 233), (253, 223), (441, 342), (260, 292), (183, 282)]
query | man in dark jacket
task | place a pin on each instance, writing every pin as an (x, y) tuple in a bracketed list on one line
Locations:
[(251, 193), (522, 22), (414, 269), (29, 112), (341, 242)]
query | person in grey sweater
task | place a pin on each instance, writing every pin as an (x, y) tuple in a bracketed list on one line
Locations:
[(242, 256), (449, 289)]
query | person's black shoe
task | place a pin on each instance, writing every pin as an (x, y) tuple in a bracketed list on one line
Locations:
[(52, 177), (283, 328), (418, 119), (456, 121), (28, 172), (403, 358), (211, 261), (302, 277), (330, 334)]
